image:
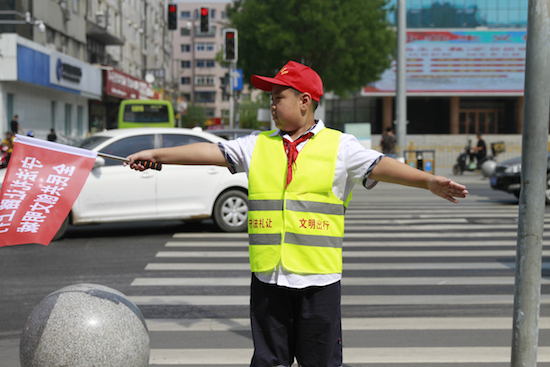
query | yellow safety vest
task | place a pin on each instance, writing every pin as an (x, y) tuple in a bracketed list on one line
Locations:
[(303, 226)]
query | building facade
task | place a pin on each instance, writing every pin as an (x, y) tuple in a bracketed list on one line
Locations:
[(465, 71), (200, 77), (59, 55)]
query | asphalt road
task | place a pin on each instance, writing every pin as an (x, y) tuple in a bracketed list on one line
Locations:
[(413, 260)]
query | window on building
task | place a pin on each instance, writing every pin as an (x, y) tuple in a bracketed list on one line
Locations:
[(185, 64), (185, 14), (210, 112), (75, 6), (68, 118), (203, 97), (53, 105), (186, 80), (185, 32), (205, 63), (185, 48), (211, 33), (80, 120), (9, 107), (213, 13), (224, 15), (205, 80), (205, 46)]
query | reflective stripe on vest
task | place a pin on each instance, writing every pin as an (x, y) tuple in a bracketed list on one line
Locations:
[(301, 227)]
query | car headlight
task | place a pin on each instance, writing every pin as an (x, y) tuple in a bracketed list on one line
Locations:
[(516, 168)]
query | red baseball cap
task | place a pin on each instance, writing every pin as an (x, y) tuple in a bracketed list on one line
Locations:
[(293, 74)]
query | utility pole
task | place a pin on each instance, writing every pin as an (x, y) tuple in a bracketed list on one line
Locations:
[(533, 184), (401, 80), (231, 93)]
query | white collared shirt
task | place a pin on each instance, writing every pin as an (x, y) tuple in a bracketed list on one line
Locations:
[(353, 166)]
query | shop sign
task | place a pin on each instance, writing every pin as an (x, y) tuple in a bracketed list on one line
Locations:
[(124, 86), (68, 72)]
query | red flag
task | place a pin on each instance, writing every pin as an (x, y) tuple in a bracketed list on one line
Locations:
[(42, 182)]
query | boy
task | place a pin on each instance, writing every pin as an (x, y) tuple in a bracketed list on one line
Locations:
[(300, 177)]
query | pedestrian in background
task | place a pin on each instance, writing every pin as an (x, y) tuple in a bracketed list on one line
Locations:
[(300, 181), (388, 142), (15, 126), (52, 136)]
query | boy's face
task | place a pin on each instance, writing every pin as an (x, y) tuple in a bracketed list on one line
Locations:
[(286, 108)]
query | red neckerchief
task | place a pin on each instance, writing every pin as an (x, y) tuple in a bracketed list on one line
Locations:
[(292, 153)]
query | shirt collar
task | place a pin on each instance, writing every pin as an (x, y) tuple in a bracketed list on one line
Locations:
[(315, 129)]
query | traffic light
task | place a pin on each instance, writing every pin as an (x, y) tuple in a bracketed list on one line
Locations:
[(230, 51), (172, 17), (205, 19)]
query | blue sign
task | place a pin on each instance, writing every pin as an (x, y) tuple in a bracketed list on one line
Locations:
[(237, 79), (428, 166)]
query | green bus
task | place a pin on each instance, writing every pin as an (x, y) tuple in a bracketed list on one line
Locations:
[(145, 113)]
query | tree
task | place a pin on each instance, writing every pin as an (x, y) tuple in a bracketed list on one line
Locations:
[(348, 42), (195, 116)]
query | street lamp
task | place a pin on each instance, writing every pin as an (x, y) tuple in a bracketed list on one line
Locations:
[(27, 19)]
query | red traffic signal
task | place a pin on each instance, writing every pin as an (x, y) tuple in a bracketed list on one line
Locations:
[(230, 50), (172, 16), (204, 20)]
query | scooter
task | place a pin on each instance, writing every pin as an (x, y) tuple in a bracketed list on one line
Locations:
[(487, 165)]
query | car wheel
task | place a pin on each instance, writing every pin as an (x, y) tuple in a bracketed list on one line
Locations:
[(456, 170), (547, 191), (231, 211), (62, 230)]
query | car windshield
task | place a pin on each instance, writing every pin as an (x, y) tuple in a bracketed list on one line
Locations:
[(91, 142)]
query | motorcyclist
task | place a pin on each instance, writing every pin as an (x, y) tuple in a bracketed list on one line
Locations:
[(479, 151)]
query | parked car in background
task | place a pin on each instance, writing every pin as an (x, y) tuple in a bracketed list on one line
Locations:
[(507, 177), (114, 193), (230, 134)]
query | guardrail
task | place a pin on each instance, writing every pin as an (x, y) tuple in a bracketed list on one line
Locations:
[(446, 156)]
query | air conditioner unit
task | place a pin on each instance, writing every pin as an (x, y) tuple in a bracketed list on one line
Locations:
[(100, 19)]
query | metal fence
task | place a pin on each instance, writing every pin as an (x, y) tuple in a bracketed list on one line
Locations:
[(445, 156)]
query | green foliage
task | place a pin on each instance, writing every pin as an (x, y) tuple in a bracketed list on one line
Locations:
[(248, 114), (195, 116), (348, 42)]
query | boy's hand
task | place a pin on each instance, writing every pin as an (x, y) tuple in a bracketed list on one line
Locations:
[(447, 188), (144, 155)]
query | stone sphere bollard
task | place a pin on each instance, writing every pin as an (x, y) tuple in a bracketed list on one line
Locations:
[(85, 325)]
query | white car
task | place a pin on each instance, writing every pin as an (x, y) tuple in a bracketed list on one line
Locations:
[(114, 193)]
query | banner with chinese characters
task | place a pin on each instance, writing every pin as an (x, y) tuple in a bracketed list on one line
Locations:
[(42, 182), (443, 62)]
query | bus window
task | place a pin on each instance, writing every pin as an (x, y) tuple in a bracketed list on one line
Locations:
[(145, 113)]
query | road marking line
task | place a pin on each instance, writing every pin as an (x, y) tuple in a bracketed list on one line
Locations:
[(453, 355), (355, 323), (346, 281), (371, 300), (350, 266), (352, 254)]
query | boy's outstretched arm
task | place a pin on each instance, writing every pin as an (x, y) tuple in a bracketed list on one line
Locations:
[(391, 170), (192, 154)]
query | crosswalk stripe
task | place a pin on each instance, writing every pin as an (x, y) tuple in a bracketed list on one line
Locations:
[(352, 323), (386, 234), (346, 281), (475, 299), (453, 355), (373, 243), (350, 266), (352, 254)]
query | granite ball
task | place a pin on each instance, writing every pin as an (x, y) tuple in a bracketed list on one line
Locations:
[(85, 325)]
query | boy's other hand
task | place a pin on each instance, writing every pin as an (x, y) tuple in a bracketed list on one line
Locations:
[(447, 188)]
